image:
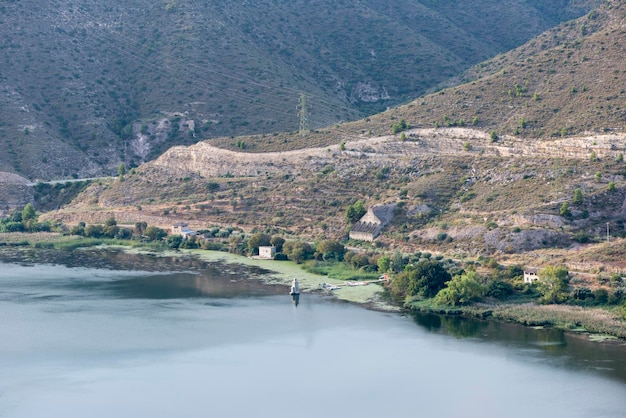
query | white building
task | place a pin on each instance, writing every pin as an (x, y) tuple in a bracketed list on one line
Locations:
[(181, 228), (531, 275), (267, 253)]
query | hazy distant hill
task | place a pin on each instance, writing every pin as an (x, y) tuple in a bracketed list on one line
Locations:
[(86, 85)]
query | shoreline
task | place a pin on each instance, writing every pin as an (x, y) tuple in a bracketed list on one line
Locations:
[(283, 272), (599, 324)]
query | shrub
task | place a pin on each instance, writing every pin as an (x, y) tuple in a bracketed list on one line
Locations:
[(499, 289), (399, 127), (611, 186), (581, 237), (583, 293), (601, 295)]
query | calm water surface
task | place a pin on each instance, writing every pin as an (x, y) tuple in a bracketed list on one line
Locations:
[(208, 341)]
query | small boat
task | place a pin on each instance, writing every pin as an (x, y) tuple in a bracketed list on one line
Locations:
[(295, 289), (329, 286)]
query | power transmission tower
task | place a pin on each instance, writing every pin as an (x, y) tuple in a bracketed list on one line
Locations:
[(303, 112)]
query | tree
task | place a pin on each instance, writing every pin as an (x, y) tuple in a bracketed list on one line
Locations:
[(124, 233), (29, 217), (11, 226), (297, 251), (552, 284), (257, 240), (425, 279), (384, 264), (461, 290), (330, 250), (356, 260), (77, 230), (499, 289), (398, 262), (28, 212), (564, 210), (110, 227), (94, 231), (155, 233), (277, 242), (121, 170), (355, 212), (578, 197), (140, 228), (174, 241)]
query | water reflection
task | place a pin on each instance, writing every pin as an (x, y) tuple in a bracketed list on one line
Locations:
[(183, 276), (559, 348), (188, 285), (295, 298)]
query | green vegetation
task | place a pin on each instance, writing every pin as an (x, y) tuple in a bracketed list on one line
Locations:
[(355, 211), (424, 279), (552, 284), (24, 220), (578, 197), (399, 127), (611, 186), (463, 289)]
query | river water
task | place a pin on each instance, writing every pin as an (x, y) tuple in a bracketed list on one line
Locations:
[(87, 335)]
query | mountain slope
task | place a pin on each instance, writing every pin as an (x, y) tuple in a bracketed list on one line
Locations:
[(568, 81), (459, 190), (86, 85)]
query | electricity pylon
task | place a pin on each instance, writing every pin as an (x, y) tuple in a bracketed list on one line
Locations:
[(303, 112)]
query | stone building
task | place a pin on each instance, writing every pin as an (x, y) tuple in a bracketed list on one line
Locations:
[(370, 225)]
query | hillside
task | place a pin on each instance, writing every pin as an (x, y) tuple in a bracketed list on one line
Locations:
[(87, 85), (460, 189), (483, 199), (566, 82)]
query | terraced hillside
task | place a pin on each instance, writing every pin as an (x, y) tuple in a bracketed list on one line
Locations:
[(456, 190)]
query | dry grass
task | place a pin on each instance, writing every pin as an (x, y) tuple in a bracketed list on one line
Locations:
[(594, 320), (32, 238)]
